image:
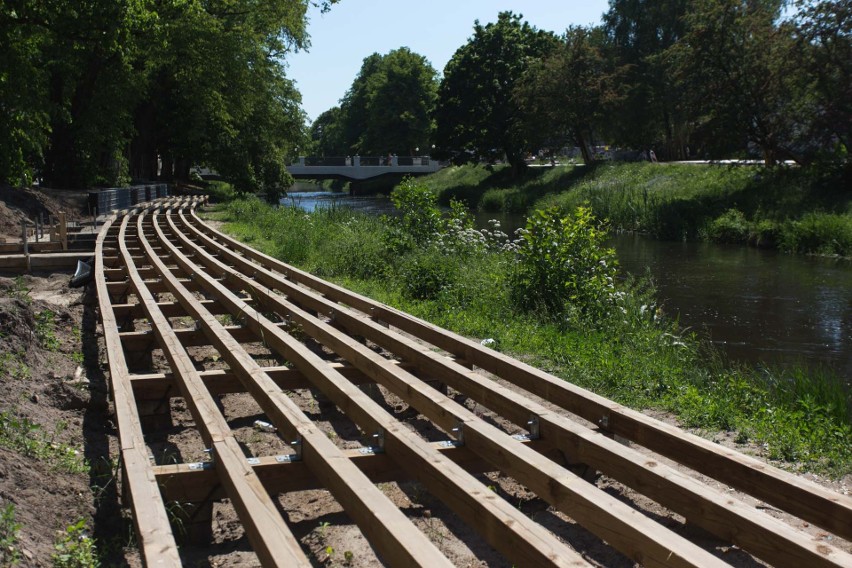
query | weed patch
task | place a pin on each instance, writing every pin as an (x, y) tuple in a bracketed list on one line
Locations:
[(436, 267)]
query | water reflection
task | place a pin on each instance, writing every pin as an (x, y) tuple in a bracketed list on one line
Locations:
[(759, 306)]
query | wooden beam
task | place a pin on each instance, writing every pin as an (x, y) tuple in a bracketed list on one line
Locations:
[(271, 539), (154, 534), (802, 498), (506, 528), (190, 483), (381, 521)]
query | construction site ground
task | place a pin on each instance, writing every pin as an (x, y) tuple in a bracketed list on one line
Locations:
[(63, 389)]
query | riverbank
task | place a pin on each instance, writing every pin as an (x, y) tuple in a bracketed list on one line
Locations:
[(806, 211), (615, 342)]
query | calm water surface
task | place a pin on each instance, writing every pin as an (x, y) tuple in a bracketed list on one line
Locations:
[(758, 306)]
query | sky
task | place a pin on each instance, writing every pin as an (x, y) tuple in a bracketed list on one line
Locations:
[(355, 29)]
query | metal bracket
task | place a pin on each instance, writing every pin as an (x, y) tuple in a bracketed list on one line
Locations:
[(253, 461), (200, 466), (459, 432), (534, 427), (378, 447), (297, 445), (287, 458)]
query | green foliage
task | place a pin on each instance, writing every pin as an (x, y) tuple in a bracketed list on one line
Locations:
[(421, 219), (45, 330), (649, 109), (820, 233), (20, 290), (76, 549), (95, 91), (563, 268), (564, 96), (426, 274), (630, 353), (24, 436), (386, 110), (475, 115), (9, 553), (730, 227)]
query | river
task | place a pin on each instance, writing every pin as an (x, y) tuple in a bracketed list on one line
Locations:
[(758, 306)]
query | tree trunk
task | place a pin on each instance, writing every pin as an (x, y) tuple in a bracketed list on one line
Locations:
[(588, 156)]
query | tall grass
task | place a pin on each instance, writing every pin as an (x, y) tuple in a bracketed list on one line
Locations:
[(631, 354), (796, 210)]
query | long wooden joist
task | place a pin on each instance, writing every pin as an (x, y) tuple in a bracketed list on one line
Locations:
[(167, 282), (805, 499)]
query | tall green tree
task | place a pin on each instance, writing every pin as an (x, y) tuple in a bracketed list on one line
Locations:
[(476, 116), (823, 54), (326, 134), (736, 63), (565, 97), (219, 94), (97, 91), (652, 109), (389, 106)]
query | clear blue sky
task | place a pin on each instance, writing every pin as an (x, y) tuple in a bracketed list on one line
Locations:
[(355, 29)]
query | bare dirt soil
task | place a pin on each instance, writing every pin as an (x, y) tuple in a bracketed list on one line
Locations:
[(52, 374)]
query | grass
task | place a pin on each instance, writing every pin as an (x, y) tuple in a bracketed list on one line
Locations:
[(30, 439), (10, 555), (799, 417), (796, 210)]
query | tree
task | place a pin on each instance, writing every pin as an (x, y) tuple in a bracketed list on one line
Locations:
[(476, 116), (219, 95), (327, 134), (823, 52), (651, 108), (98, 91), (24, 112), (736, 63), (389, 106), (565, 96)]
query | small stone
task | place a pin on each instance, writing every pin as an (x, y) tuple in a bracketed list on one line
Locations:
[(427, 513), (34, 398), (27, 553)]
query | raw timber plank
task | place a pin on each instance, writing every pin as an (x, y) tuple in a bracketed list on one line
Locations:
[(193, 482), (382, 522), (798, 496), (269, 535), (508, 530), (154, 533)]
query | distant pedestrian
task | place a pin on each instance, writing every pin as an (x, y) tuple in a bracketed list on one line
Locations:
[(652, 156), (390, 159)]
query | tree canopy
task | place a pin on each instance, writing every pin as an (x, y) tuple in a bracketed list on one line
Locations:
[(101, 91), (388, 108), (476, 115)]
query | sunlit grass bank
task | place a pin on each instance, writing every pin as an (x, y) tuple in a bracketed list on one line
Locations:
[(795, 210), (606, 336)]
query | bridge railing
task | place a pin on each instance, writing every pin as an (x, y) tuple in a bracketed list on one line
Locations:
[(337, 161)]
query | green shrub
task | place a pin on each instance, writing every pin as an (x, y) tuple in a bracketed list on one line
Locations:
[(425, 274), (730, 227), (76, 549), (820, 233), (9, 527), (563, 267), (421, 218)]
